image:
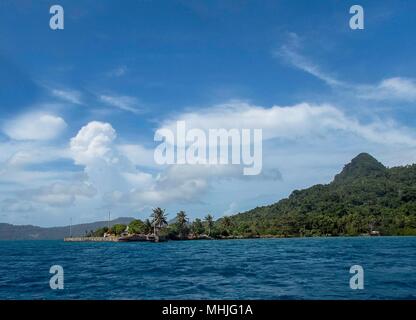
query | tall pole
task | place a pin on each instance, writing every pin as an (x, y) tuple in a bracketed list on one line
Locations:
[(108, 219)]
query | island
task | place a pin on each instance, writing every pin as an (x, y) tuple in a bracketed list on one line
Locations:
[(365, 198)]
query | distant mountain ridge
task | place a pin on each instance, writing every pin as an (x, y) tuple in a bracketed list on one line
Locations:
[(29, 232)]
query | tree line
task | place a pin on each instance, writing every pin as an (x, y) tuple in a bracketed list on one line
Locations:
[(158, 224), (364, 197)]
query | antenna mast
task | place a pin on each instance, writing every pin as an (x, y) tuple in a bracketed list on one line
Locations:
[(108, 219)]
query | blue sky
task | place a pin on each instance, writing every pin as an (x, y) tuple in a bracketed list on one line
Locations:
[(73, 100)]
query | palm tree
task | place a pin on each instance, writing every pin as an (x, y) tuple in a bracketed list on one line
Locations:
[(158, 219), (147, 226), (209, 219), (181, 221), (197, 227), (181, 217), (226, 224)]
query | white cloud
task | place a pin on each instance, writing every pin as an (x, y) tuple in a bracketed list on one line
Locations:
[(57, 194), (393, 88), (111, 168), (115, 176), (396, 88), (108, 169), (118, 72), (125, 103), (160, 194), (293, 122), (60, 194), (23, 154), (16, 205), (290, 53), (71, 96), (138, 155), (94, 141), (34, 126)]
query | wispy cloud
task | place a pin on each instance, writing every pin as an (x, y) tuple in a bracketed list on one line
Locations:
[(125, 103), (393, 88), (118, 72), (71, 96), (290, 52), (396, 88)]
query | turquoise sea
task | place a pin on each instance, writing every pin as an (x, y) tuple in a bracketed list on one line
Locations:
[(301, 268)]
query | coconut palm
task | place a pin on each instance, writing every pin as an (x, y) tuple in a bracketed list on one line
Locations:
[(158, 219), (181, 218), (181, 222), (147, 226), (209, 219), (226, 224), (197, 227)]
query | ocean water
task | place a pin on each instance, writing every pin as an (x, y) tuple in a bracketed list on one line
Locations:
[(303, 268)]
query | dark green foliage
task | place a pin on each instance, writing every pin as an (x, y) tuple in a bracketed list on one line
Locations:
[(147, 226), (117, 229), (181, 225), (209, 224), (159, 219), (197, 228), (365, 196), (137, 227), (99, 232)]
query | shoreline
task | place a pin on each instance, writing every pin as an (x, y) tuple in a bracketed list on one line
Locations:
[(244, 238), (150, 238)]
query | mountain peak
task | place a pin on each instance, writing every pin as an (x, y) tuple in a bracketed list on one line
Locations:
[(362, 165)]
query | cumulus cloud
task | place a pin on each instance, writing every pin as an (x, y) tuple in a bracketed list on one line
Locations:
[(94, 141), (115, 176), (113, 170), (34, 126), (138, 154), (93, 147)]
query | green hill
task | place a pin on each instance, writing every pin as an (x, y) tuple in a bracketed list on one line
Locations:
[(365, 196)]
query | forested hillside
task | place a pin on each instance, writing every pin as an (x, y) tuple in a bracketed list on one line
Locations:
[(366, 196)]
